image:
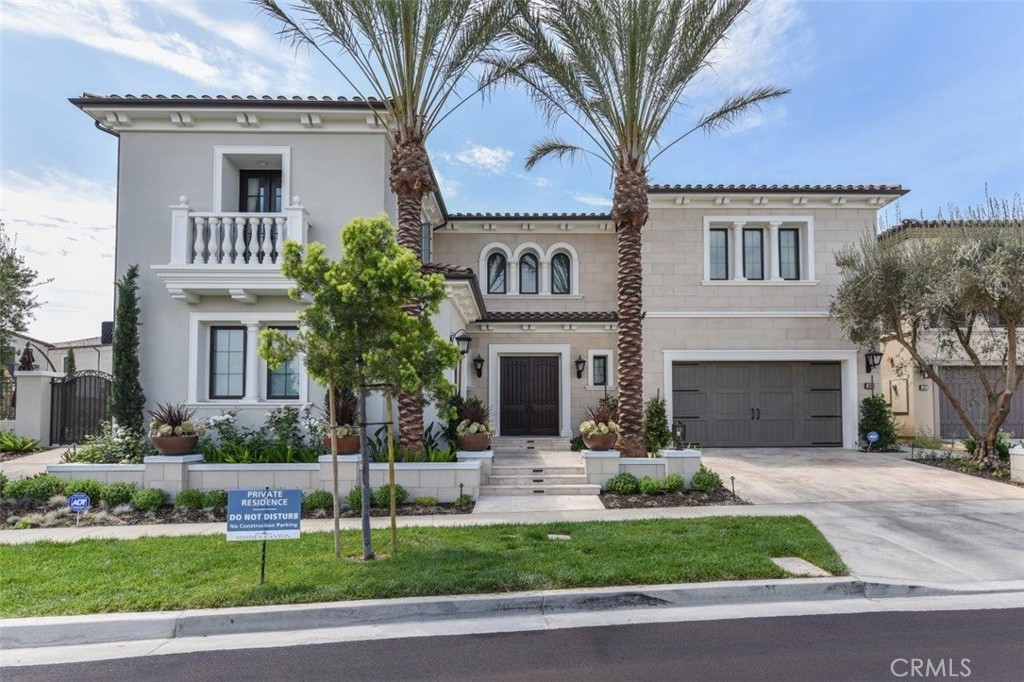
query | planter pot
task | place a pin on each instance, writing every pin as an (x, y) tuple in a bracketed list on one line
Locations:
[(474, 442), (598, 441), (175, 445), (347, 445)]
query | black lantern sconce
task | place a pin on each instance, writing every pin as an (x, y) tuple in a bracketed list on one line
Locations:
[(581, 365), (872, 359), (462, 339), (678, 434), (478, 365)]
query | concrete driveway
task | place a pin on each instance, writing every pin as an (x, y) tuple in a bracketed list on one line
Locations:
[(799, 475), (889, 518)]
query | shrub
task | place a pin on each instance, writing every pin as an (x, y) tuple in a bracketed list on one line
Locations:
[(3, 483), (425, 501), (318, 499), (215, 499), (38, 488), (89, 486), (657, 434), (924, 439), (189, 499), (576, 443), (381, 497), (112, 446), (675, 483), (16, 444), (118, 493), (623, 484), (464, 500), (651, 486), (149, 499), (706, 480), (354, 499), (875, 415)]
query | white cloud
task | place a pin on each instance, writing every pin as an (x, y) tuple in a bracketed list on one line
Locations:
[(63, 225), (488, 159), (449, 187), (538, 181), (118, 27), (593, 200)]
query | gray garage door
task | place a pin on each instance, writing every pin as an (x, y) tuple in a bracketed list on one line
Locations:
[(967, 386), (761, 404)]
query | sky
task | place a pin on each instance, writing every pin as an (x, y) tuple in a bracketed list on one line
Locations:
[(925, 94)]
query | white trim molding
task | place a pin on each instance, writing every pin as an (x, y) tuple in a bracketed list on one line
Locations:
[(846, 358), (609, 371), (256, 368), (770, 226), (219, 152), (671, 314), (543, 269), (494, 353)]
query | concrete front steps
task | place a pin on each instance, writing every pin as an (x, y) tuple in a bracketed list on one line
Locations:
[(515, 445), (524, 478)]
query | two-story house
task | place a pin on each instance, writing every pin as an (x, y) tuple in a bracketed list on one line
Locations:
[(737, 279)]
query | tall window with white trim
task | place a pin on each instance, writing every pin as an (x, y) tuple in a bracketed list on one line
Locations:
[(283, 380), (227, 362), (497, 273), (529, 273), (561, 274)]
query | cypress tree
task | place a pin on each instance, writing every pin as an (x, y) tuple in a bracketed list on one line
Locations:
[(69, 364), (657, 434), (127, 400)]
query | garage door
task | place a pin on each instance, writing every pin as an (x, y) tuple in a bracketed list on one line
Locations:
[(760, 404), (966, 385)]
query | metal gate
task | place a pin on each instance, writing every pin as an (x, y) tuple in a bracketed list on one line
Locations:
[(79, 405)]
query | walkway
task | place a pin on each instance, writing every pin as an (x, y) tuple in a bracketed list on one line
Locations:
[(33, 464)]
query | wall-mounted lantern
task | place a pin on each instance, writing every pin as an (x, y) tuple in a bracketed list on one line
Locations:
[(478, 365), (462, 339), (872, 359), (581, 365)]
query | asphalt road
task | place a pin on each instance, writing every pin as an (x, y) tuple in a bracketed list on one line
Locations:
[(975, 645)]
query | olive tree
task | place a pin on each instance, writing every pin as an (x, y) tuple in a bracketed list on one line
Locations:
[(950, 289), (355, 333)]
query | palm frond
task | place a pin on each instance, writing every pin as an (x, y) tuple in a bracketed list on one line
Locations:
[(560, 149)]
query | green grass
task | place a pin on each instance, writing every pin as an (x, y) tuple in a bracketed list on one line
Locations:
[(93, 576)]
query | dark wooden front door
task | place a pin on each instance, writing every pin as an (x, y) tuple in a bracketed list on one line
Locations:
[(529, 396)]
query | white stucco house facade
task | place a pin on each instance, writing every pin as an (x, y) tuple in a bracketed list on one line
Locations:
[(737, 279)]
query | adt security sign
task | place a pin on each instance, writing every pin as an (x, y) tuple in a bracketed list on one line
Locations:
[(264, 514), (872, 436), (79, 502)]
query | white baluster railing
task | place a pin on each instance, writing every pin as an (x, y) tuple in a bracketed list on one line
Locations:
[(235, 239)]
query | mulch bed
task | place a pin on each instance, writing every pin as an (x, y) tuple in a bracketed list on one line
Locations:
[(690, 498), (8, 456), (957, 464), (165, 515)]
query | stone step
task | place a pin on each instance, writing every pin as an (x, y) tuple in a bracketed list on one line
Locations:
[(539, 479), (581, 489), (538, 470), (525, 445)]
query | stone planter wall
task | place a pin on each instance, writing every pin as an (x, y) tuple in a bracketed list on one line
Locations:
[(173, 474), (1017, 463), (603, 465)]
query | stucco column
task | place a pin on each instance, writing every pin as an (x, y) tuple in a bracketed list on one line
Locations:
[(252, 375), (773, 250), (513, 276), (545, 277), (181, 244), (737, 251), (32, 411)]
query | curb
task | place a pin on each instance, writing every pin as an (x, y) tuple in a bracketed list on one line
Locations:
[(19, 633)]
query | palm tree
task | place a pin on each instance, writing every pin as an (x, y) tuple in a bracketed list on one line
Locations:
[(617, 70), (414, 56)]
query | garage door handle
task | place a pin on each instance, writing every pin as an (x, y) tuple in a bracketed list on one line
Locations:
[(751, 412), (759, 414)]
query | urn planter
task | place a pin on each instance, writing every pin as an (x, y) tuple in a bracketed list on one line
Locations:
[(175, 445), (600, 441), (474, 442), (347, 445)]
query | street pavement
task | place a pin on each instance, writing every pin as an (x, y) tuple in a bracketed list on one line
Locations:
[(977, 645)]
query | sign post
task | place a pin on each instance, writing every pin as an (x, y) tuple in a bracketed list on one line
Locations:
[(264, 514), (79, 502)]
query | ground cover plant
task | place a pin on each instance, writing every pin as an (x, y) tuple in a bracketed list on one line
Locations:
[(95, 576)]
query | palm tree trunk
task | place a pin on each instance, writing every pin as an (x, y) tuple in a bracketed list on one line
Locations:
[(411, 180), (629, 213)]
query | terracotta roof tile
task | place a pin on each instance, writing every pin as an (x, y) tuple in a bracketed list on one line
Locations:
[(915, 224), (446, 269), (780, 189), (548, 316), (262, 101), (529, 216)]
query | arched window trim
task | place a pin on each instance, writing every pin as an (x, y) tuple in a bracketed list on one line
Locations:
[(504, 267), (564, 257), (537, 272), (574, 265), (544, 259), (482, 273)]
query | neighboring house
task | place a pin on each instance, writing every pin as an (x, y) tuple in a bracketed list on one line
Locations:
[(737, 279), (917, 403), (91, 354)]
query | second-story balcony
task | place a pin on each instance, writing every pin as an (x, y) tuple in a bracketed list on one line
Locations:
[(229, 253)]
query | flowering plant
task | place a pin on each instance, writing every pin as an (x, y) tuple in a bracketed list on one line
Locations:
[(476, 419), (174, 420), (600, 421), (468, 428)]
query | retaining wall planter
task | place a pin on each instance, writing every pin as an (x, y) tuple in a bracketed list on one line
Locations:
[(601, 465), (1017, 463)]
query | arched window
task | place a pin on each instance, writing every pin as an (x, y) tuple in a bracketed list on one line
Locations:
[(528, 273), (496, 273), (561, 274)]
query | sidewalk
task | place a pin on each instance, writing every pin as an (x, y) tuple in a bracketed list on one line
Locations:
[(950, 541), (33, 464)]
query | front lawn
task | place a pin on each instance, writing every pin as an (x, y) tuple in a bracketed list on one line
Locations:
[(148, 574)]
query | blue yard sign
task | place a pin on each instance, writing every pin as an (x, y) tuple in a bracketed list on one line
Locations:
[(872, 436), (264, 514), (79, 502)]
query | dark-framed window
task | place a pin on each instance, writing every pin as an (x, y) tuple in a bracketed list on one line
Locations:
[(561, 274), (227, 362), (259, 191), (719, 250), (497, 273), (600, 369), (789, 253), (283, 380), (528, 273), (753, 253)]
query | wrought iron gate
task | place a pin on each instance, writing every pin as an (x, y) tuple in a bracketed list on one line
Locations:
[(79, 405)]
